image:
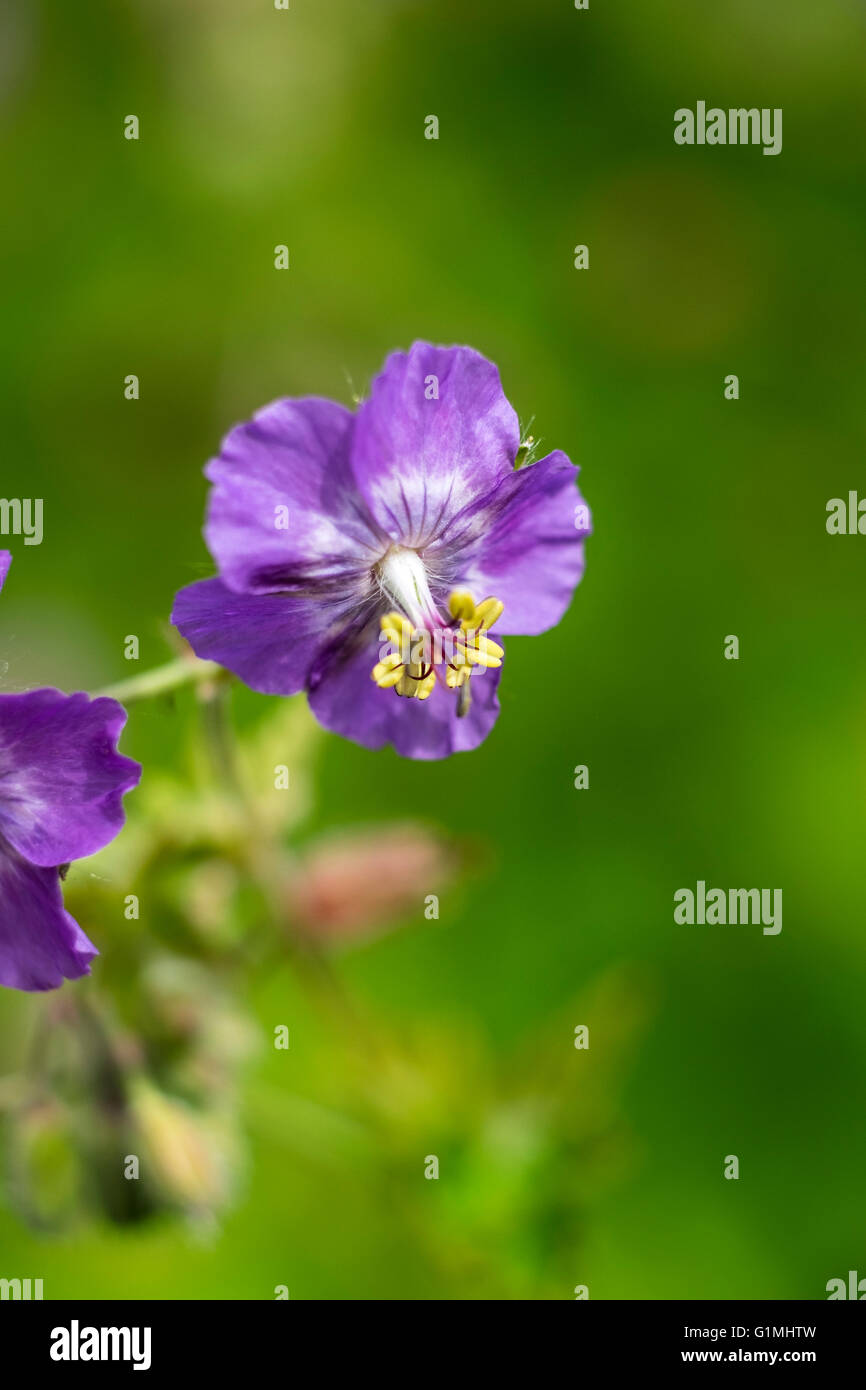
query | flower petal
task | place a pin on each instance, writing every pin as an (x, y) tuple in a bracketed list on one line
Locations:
[(61, 777), (522, 543), (419, 461), (284, 510), (268, 640), (345, 700), (40, 944), (5, 562)]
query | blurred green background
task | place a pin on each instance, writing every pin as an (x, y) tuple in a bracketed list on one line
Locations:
[(155, 257)]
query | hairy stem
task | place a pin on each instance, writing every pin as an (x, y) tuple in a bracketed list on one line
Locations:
[(185, 670)]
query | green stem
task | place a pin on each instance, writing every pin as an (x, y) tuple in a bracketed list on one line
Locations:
[(183, 671)]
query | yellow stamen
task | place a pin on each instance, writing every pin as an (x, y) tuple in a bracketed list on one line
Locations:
[(415, 685), (403, 669), (479, 656), (394, 628), (388, 672), (488, 612), (460, 604)]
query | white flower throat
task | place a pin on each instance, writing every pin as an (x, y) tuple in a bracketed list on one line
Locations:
[(403, 577)]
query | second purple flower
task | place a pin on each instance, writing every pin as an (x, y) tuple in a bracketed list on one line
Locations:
[(62, 783)]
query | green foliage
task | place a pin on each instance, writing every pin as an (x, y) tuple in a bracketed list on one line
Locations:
[(305, 1167)]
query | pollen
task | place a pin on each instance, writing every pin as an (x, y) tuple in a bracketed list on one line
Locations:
[(450, 651)]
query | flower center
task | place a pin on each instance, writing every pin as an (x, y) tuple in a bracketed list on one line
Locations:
[(421, 646)]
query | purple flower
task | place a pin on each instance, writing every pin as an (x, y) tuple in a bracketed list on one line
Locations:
[(386, 543), (61, 784)]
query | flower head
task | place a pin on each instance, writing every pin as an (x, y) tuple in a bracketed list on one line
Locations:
[(61, 785), (365, 557)]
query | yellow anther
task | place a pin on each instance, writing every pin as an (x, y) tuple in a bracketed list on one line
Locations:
[(412, 686), (488, 612), (395, 628), (461, 604), (479, 656), (390, 661), (489, 648), (386, 673)]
